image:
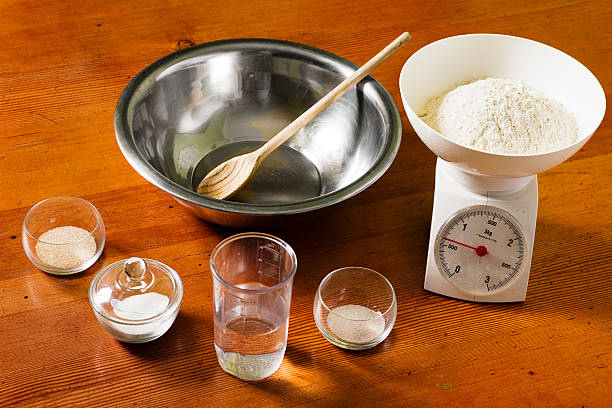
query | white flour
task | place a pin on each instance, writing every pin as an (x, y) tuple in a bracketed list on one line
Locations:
[(501, 116)]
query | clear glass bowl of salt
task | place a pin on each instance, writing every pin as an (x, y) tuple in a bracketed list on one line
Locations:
[(63, 235), (136, 300), (355, 308)]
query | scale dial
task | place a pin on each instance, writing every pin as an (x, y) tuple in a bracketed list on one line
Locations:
[(480, 250)]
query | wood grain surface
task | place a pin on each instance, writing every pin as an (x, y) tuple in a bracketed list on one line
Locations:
[(63, 67)]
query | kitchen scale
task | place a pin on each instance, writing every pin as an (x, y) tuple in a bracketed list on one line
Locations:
[(481, 240), (485, 204)]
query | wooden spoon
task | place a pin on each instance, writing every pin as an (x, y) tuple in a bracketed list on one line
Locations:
[(227, 178)]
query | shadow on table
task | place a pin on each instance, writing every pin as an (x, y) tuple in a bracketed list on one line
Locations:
[(179, 350), (305, 374)]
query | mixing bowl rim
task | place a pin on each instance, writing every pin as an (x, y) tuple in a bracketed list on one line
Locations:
[(128, 147)]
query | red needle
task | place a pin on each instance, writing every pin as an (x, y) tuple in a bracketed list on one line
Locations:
[(481, 250)]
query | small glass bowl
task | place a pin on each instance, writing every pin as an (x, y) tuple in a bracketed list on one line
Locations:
[(111, 287), (55, 252), (355, 308)]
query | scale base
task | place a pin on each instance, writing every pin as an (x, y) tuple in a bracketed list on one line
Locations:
[(453, 193)]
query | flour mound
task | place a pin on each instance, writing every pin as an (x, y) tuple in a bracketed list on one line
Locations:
[(501, 116)]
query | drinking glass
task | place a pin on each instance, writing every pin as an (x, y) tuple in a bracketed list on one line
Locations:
[(252, 278), (355, 308), (67, 256)]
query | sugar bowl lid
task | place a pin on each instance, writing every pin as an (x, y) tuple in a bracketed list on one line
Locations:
[(135, 290)]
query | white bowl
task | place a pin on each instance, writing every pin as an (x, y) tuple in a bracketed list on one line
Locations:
[(441, 65)]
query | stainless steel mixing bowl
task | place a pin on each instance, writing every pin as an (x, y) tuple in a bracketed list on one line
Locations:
[(193, 109)]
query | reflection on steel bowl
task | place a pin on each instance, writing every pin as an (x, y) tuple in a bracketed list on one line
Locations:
[(193, 109)]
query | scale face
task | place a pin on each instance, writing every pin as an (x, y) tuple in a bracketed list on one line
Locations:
[(480, 250), (481, 242)]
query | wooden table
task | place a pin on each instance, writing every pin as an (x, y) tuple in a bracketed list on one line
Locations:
[(63, 67)]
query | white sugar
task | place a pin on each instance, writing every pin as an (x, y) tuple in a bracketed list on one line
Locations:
[(356, 324), (65, 247)]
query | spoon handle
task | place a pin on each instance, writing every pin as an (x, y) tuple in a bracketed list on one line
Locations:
[(291, 129)]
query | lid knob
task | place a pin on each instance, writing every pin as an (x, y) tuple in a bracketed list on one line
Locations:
[(135, 268), (133, 278)]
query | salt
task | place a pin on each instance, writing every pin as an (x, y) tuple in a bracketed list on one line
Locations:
[(65, 247), (356, 324), (140, 307)]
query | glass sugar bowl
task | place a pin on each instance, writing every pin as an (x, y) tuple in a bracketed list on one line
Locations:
[(63, 235), (136, 300), (355, 308)]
